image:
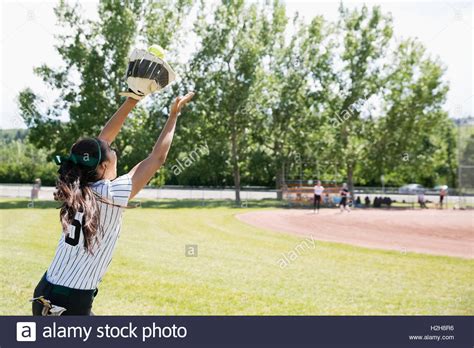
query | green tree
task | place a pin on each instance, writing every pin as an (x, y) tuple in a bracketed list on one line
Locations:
[(95, 54), (415, 137), (22, 163), (273, 95), (363, 36), (224, 72)]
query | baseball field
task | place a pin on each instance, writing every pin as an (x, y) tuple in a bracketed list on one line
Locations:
[(242, 267)]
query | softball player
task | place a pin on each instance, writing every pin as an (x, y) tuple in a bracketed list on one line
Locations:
[(93, 199), (344, 194), (443, 192), (318, 192)]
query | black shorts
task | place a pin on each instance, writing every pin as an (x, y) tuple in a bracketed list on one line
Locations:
[(76, 301), (317, 198), (343, 201)]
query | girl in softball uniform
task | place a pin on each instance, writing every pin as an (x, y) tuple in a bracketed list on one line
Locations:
[(344, 193), (318, 193), (92, 201)]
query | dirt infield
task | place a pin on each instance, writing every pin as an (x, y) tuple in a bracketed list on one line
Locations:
[(438, 232)]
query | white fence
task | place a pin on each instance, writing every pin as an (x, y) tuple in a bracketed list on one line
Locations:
[(46, 193)]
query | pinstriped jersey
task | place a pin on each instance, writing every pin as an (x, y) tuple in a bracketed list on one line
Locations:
[(72, 265)]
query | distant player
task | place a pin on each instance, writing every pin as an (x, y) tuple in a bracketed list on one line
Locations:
[(35, 191), (421, 199), (442, 193), (93, 198), (344, 193), (318, 193)]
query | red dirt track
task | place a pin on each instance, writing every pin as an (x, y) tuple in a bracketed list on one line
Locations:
[(438, 232)]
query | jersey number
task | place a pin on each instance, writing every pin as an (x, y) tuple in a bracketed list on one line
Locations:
[(76, 226)]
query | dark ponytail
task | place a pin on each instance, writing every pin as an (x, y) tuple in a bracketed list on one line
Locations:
[(73, 189)]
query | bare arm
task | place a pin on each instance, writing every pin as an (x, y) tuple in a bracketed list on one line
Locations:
[(113, 126), (144, 171)]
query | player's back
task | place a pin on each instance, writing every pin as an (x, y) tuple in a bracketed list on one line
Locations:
[(75, 267)]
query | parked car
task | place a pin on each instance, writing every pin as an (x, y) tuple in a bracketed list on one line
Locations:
[(411, 189)]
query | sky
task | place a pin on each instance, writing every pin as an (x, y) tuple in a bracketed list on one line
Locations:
[(444, 27)]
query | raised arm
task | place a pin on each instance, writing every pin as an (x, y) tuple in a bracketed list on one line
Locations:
[(113, 126), (144, 171)]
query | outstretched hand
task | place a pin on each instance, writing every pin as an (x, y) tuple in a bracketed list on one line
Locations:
[(180, 102)]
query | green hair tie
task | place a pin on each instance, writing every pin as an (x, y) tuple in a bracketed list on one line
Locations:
[(85, 159)]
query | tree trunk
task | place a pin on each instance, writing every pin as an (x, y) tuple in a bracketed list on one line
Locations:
[(235, 161), (350, 182), (279, 167), (280, 179)]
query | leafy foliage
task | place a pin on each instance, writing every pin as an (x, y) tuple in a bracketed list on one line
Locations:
[(275, 97), (20, 162)]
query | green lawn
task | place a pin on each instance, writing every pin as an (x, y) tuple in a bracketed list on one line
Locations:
[(236, 271)]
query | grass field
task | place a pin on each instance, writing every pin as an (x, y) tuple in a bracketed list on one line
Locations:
[(236, 271)]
